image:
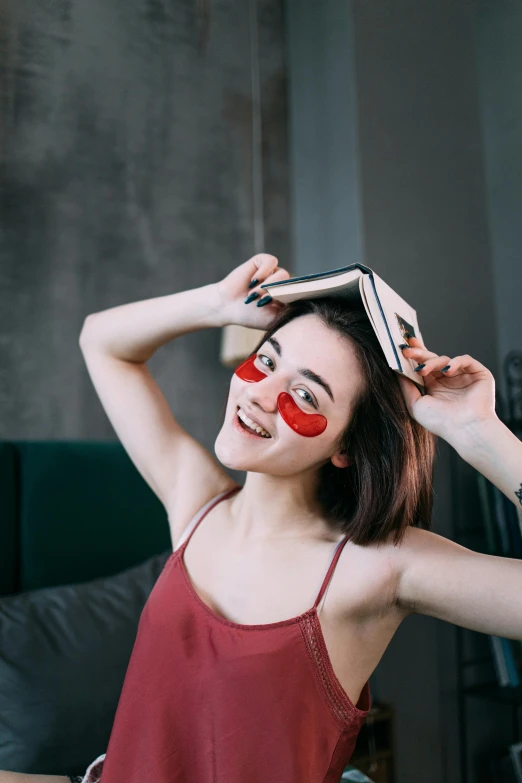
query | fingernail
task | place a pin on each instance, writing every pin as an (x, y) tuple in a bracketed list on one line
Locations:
[(265, 300), (416, 369), (253, 282), (404, 345), (445, 368), (251, 297), (407, 335)]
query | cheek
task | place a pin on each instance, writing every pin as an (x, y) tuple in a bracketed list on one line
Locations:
[(247, 371), (307, 424)]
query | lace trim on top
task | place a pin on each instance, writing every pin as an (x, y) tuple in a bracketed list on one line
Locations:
[(340, 704)]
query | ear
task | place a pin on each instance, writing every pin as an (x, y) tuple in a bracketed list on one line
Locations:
[(341, 459)]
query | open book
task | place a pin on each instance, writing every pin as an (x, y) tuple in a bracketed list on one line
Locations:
[(390, 316)]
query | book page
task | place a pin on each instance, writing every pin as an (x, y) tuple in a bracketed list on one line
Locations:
[(366, 306), (337, 285), (377, 321), (400, 317)]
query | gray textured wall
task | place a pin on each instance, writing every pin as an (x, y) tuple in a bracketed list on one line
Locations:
[(426, 231), (499, 60), (327, 221), (399, 95), (126, 174)]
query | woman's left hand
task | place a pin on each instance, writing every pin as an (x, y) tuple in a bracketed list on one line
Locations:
[(454, 399)]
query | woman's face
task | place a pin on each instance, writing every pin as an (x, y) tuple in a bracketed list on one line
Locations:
[(306, 370)]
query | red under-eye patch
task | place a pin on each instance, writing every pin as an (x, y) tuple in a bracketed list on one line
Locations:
[(247, 370), (307, 424)]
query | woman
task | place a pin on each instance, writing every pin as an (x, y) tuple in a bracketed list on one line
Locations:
[(255, 648)]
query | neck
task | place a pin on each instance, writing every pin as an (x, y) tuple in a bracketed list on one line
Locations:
[(279, 507)]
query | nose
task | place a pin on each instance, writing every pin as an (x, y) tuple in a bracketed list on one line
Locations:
[(265, 393)]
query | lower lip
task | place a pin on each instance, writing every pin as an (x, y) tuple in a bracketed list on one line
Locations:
[(248, 433)]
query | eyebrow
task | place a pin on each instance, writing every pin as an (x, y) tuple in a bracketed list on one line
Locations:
[(304, 371)]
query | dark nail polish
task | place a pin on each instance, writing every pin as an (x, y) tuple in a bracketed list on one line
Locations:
[(407, 335), (251, 297), (265, 300), (404, 345), (253, 283), (445, 368), (416, 369)]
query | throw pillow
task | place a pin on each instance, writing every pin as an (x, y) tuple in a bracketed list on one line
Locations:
[(64, 652)]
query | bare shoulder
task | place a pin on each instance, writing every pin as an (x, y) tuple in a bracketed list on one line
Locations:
[(418, 550), (369, 579), (206, 480), (419, 541)]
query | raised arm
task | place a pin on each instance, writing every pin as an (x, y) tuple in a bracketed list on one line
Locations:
[(439, 577), (116, 345), (460, 407)]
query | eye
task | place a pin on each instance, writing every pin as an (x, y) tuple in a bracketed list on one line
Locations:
[(308, 397), (262, 356)]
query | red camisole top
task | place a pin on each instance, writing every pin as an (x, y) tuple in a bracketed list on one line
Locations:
[(208, 700)]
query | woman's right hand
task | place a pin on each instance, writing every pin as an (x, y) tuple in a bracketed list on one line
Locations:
[(233, 290)]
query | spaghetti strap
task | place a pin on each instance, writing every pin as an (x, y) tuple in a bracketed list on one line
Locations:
[(329, 573), (198, 516), (201, 514)]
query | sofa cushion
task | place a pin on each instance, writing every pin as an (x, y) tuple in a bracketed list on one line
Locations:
[(9, 519), (85, 513), (64, 652)]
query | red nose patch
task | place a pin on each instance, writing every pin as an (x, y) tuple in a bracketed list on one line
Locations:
[(307, 424)]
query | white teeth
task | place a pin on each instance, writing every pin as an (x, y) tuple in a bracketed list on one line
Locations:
[(252, 425)]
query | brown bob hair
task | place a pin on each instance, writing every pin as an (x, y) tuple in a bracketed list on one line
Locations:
[(389, 485)]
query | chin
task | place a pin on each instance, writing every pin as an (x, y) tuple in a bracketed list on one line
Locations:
[(228, 454), (232, 454)]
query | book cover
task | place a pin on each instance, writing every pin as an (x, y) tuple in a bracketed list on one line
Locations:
[(389, 314)]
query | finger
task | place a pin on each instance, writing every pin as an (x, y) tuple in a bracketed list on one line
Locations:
[(419, 354), (410, 392), (278, 274), (264, 293), (465, 364), (416, 342), (261, 266), (434, 364)]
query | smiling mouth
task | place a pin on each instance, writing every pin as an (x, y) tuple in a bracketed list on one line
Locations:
[(249, 426)]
